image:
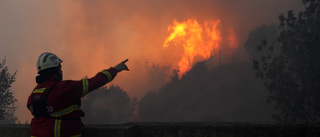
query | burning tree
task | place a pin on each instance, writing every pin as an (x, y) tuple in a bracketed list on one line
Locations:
[(7, 100), (289, 66)]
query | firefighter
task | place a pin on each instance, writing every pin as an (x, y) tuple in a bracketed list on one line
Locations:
[(55, 103)]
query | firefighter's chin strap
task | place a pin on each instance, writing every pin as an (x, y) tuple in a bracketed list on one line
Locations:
[(45, 112)]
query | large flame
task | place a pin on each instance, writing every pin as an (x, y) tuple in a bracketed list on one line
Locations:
[(196, 40)]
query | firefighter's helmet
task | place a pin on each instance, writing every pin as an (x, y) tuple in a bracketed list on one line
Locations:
[(47, 60)]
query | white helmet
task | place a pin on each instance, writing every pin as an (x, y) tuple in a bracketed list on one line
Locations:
[(47, 60)]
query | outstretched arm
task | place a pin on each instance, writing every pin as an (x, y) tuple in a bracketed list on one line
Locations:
[(102, 77)]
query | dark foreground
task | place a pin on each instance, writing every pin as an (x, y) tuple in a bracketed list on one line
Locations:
[(188, 129)]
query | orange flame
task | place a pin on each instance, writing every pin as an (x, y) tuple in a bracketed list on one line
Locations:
[(196, 40)]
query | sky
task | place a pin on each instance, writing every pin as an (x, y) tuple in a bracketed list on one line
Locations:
[(93, 35)]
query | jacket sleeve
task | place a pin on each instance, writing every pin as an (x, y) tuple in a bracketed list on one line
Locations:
[(98, 80)]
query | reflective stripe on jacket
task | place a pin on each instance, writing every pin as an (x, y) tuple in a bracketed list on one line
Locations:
[(64, 103)]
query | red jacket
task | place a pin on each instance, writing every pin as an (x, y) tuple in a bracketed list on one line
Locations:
[(64, 103)]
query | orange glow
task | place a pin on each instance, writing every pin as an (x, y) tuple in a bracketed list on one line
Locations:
[(232, 40), (197, 41)]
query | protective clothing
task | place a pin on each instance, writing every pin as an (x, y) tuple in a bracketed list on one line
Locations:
[(47, 60), (63, 103)]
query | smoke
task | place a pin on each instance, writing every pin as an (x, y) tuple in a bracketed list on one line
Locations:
[(110, 105), (264, 32), (212, 91), (226, 93), (92, 35)]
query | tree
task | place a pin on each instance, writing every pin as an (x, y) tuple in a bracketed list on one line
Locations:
[(108, 106), (267, 32), (7, 100), (208, 94), (289, 66)]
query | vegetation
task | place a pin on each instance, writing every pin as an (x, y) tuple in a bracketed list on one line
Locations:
[(7, 100), (289, 65), (108, 106)]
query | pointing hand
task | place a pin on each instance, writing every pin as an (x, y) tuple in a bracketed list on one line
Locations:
[(122, 66)]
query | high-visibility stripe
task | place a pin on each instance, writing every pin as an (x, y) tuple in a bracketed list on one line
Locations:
[(77, 135), (108, 74), (85, 84), (57, 125), (40, 90), (65, 111)]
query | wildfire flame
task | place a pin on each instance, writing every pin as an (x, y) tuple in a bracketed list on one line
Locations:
[(196, 41)]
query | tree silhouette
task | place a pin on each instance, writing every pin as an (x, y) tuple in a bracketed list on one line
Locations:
[(289, 65), (7, 100), (108, 106)]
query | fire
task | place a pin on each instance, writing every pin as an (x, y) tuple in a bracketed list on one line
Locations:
[(197, 41)]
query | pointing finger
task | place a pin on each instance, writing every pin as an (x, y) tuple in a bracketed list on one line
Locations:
[(124, 61)]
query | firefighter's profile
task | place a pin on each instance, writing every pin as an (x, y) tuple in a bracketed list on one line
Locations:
[(55, 103)]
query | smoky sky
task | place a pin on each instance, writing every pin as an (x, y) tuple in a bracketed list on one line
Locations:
[(93, 35), (212, 91)]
